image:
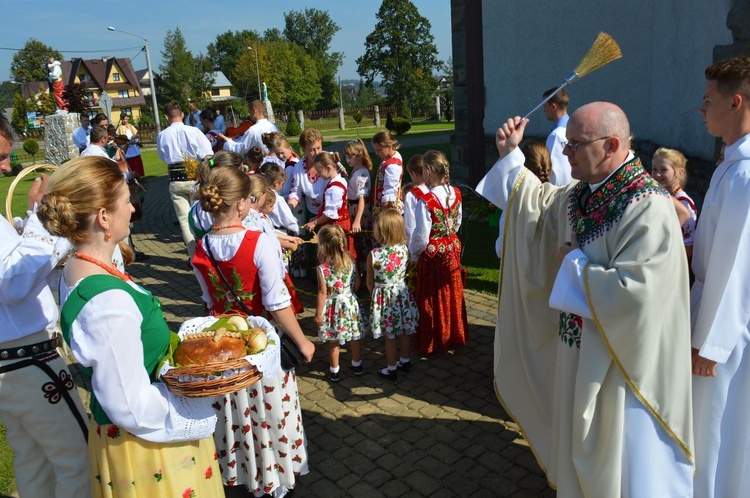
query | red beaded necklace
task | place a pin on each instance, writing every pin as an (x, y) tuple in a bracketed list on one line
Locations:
[(111, 269), (236, 225)]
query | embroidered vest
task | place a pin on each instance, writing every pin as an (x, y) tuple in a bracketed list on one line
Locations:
[(377, 192), (343, 212), (240, 272), (443, 238)]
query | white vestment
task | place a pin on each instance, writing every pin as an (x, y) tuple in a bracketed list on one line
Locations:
[(720, 304)]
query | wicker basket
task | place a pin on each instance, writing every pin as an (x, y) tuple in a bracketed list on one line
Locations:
[(19, 177), (211, 379)]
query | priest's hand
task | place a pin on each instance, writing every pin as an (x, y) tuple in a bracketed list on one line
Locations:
[(703, 366), (509, 135), (567, 247)]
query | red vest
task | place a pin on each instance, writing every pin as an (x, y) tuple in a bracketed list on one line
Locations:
[(343, 212), (240, 272)]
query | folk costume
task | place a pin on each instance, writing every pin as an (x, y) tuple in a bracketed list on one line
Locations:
[(392, 310), (388, 184), (688, 228), (306, 183), (289, 172), (720, 318), (259, 438), (143, 440), (360, 187), (440, 290), (133, 151), (335, 208), (593, 360), (39, 405)]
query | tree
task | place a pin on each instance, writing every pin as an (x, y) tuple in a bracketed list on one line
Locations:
[(19, 121), (31, 147), (182, 77), (30, 63), (75, 96), (7, 90), (226, 51), (446, 96), (313, 30), (402, 51), (292, 126)]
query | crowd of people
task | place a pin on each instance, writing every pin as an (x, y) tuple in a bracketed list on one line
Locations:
[(625, 380)]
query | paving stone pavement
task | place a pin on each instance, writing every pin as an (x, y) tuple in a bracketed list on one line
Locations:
[(438, 431)]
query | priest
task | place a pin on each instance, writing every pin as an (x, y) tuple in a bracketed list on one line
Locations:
[(592, 347)]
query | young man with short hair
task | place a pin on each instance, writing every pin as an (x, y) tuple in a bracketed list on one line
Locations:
[(556, 110)]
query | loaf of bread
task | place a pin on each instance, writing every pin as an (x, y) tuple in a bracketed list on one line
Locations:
[(202, 350)]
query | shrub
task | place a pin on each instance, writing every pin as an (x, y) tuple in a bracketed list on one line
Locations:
[(358, 117), (15, 168), (389, 122), (31, 146), (292, 126), (401, 126)]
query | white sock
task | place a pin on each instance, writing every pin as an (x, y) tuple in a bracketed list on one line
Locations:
[(335, 369), (404, 360), (356, 363), (392, 367)]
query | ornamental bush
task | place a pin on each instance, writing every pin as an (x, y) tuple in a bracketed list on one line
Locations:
[(358, 117), (401, 126), (31, 146), (292, 126)]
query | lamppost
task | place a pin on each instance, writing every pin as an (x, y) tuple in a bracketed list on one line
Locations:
[(257, 71), (150, 76)]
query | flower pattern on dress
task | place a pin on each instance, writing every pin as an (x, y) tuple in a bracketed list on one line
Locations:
[(341, 313), (445, 224), (392, 310), (604, 208), (571, 326), (53, 391)]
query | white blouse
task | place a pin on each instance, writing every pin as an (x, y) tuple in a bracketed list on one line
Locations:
[(360, 184), (334, 198), (410, 212), (301, 186), (106, 336)]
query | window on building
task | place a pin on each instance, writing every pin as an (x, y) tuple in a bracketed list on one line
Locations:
[(115, 76), (215, 91), (126, 110), (123, 94)]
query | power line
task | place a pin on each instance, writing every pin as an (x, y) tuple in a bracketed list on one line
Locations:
[(83, 51)]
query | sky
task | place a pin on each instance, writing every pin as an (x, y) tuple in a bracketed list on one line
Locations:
[(79, 28)]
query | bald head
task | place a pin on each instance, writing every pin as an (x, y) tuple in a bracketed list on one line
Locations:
[(599, 137)]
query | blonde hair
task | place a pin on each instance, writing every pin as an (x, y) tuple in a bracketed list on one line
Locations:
[(326, 159), (332, 247), (384, 138), (678, 161), (389, 228), (358, 148), (537, 159), (310, 136), (225, 186), (270, 197), (275, 140), (415, 164), (77, 190), (274, 173), (221, 158), (435, 162)]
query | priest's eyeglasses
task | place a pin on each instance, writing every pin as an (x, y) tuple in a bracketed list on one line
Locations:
[(573, 147)]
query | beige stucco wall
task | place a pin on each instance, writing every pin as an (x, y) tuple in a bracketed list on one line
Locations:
[(532, 45)]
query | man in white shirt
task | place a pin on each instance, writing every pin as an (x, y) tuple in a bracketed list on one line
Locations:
[(99, 138), (81, 134), (39, 405), (253, 136), (172, 144), (556, 110), (719, 298)]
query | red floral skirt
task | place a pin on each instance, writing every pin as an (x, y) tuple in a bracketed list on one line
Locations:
[(440, 298)]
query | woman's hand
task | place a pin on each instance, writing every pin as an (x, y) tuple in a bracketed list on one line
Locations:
[(307, 350)]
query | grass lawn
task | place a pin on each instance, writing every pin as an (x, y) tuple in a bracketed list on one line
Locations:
[(7, 481)]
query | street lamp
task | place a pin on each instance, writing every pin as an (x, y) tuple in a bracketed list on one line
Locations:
[(257, 72), (150, 77)]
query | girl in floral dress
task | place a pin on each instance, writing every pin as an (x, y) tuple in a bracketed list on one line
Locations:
[(259, 437), (393, 311), (440, 290), (358, 197), (387, 192), (337, 313)]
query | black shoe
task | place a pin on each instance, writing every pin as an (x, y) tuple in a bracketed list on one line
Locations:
[(334, 376), (139, 256), (404, 367), (357, 370), (389, 374)]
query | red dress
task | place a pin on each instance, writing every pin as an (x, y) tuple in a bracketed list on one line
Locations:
[(343, 214), (440, 291)]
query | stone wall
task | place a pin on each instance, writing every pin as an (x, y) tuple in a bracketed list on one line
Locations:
[(58, 137)]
